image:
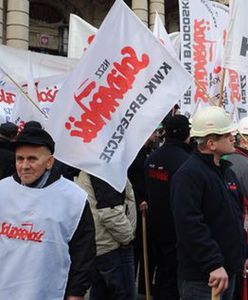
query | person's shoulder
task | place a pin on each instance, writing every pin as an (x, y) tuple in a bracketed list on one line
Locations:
[(7, 180), (70, 183), (189, 168)]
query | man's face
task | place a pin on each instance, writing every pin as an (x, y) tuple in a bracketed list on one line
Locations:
[(32, 162), (225, 144)]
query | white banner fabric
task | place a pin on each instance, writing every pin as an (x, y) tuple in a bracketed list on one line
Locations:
[(81, 34), (14, 62), (236, 50)]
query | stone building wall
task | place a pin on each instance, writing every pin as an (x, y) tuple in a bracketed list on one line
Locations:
[(42, 25)]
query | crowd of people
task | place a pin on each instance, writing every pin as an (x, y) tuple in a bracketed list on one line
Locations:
[(63, 231)]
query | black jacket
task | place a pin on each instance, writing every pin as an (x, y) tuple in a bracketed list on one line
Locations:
[(7, 158), (207, 208), (136, 175), (159, 169), (82, 247)]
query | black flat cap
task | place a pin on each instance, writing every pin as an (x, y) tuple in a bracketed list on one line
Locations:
[(9, 129), (32, 124), (34, 136), (177, 127)]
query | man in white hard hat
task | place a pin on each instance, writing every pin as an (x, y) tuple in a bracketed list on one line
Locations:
[(206, 203), (239, 160)]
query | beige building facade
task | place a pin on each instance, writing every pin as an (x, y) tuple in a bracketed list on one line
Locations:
[(42, 25)]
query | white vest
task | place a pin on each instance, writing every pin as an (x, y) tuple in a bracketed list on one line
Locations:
[(35, 228)]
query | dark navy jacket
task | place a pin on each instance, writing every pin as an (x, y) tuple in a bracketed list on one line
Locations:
[(159, 169), (207, 209)]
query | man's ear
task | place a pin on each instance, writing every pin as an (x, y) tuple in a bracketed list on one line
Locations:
[(211, 144), (50, 162)]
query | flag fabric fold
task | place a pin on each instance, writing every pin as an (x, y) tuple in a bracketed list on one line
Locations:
[(114, 99)]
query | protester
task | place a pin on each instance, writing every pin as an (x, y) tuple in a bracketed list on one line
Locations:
[(7, 156), (47, 230), (8, 130), (65, 170), (239, 160), (115, 219), (207, 207), (160, 167)]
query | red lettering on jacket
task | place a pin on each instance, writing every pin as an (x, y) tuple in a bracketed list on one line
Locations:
[(232, 186), (22, 233), (104, 101), (158, 174)]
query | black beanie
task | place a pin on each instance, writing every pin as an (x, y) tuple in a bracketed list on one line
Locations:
[(177, 127), (34, 136)]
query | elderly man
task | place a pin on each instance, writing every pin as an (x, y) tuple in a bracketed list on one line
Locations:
[(46, 227), (239, 160), (206, 203)]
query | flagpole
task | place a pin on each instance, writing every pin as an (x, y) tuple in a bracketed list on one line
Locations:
[(204, 91), (211, 99), (222, 86), (145, 255), (214, 297), (22, 92)]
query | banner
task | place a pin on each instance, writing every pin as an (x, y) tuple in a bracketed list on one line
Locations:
[(7, 99), (235, 88), (14, 62), (47, 89), (81, 34), (236, 50), (115, 98), (198, 28), (44, 95)]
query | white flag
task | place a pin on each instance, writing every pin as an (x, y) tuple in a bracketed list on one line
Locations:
[(160, 33), (236, 51), (24, 110), (8, 96), (198, 30), (81, 34), (46, 89), (176, 42), (115, 98), (235, 93)]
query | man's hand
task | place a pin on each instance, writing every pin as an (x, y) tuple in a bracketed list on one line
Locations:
[(246, 265), (218, 279), (143, 206), (74, 298)]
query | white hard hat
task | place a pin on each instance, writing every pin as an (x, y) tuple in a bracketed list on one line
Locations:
[(211, 120), (243, 126)]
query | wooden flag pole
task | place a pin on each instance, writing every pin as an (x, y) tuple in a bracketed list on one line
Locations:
[(211, 99), (146, 267), (23, 93), (214, 297)]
